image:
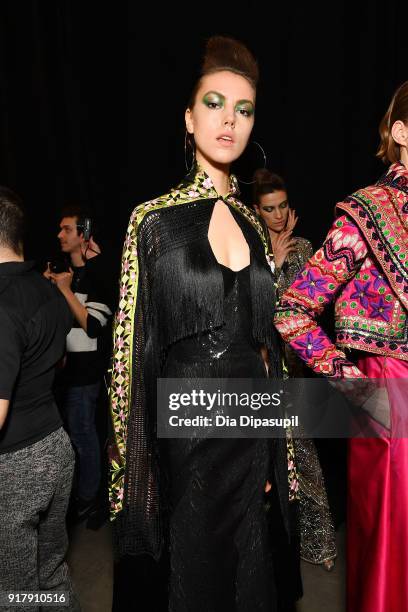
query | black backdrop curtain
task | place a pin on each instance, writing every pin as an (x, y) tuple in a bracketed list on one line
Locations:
[(92, 101)]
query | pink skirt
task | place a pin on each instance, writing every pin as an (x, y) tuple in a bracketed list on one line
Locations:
[(377, 513)]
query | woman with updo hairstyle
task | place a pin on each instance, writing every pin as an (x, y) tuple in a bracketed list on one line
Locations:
[(363, 267), (197, 300)]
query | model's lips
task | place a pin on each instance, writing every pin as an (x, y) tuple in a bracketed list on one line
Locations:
[(226, 140)]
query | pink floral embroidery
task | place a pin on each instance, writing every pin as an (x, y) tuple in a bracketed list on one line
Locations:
[(119, 367), (207, 183), (120, 343), (121, 316)]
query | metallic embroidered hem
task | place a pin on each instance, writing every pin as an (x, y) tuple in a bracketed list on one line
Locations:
[(368, 348), (317, 535), (318, 561)]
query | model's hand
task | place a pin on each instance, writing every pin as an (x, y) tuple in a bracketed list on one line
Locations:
[(292, 220), (268, 486), (283, 245), (63, 280)]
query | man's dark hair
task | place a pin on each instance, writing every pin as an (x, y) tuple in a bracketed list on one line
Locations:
[(75, 210), (12, 221)]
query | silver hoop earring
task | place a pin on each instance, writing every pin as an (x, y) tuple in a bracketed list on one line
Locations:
[(264, 162), (188, 141)]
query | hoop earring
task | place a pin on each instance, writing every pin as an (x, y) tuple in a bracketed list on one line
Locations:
[(188, 141), (264, 163)]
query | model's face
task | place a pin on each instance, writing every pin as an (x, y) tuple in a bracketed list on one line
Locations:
[(68, 236), (274, 209), (222, 117)]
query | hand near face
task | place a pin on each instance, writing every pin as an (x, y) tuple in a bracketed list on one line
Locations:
[(292, 220), (63, 280), (283, 245)]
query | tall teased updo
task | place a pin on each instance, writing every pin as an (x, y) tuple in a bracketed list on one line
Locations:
[(389, 150), (266, 181), (223, 53)]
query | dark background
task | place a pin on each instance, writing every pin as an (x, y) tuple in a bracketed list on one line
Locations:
[(92, 101)]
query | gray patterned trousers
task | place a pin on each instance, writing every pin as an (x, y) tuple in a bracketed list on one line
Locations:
[(35, 484)]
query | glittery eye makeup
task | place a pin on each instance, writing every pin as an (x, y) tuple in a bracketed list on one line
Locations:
[(245, 107), (213, 99), (281, 205)]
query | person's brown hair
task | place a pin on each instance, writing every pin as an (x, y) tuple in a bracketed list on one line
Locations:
[(266, 182), (389, 150), (223, 53)]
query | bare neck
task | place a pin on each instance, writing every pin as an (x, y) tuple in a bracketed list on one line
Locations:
[(218, 173), (7, 255), (77, 259)]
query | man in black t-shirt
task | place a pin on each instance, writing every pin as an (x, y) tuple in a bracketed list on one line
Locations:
[(87, 289), (36, 456)]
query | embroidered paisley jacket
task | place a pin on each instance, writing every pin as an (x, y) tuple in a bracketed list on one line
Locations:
[(363, 266), (171, 287)]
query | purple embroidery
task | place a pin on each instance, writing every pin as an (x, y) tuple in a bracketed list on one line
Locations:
[(381, 309), (312, 284), (362, 293), (311, 345), (378, 278)]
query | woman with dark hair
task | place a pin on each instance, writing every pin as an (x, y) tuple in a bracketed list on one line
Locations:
[(197, 301), (289, 254), (362, 265), (270, 199)]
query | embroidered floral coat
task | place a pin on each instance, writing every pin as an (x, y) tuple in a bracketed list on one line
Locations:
[(363, 266)]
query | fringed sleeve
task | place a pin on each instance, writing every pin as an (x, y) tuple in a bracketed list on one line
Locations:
[(134, 482)]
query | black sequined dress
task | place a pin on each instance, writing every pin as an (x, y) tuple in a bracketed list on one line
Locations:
[(217, 485)]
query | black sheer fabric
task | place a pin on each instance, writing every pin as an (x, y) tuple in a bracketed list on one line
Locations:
[(220, 553), (183, 314)]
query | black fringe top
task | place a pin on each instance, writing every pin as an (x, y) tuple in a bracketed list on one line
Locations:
[(171, 287)]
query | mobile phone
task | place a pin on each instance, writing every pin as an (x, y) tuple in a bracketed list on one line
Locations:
[(58, 265)]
